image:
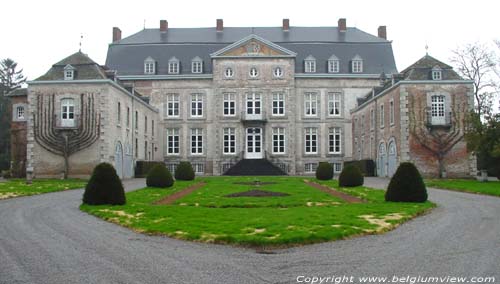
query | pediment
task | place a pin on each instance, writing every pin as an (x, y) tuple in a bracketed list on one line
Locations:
[(253, 46)]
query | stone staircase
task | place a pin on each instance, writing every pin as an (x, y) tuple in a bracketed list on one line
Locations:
[(254, 167)]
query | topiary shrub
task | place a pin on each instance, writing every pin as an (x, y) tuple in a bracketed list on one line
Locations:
[(184, 171), (159, 176), (104, 187), (351, 176), (406, 185), (324, 171)]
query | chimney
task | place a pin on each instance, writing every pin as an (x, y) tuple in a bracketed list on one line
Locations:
[(220, 25), (342, 25), (286, 25), (117, 34), (163, 26), (382, 32)]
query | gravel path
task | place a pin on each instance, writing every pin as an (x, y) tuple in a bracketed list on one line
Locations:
[(46, 239)]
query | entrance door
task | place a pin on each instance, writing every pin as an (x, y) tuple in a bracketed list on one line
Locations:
[(392, 159), (119, 160), (253, 106), (254, 143), (382, 160)]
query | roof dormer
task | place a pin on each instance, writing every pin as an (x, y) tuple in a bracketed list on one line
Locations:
[(69, 72)]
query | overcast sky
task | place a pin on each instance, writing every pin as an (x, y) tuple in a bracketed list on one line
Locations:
[(37, 34)]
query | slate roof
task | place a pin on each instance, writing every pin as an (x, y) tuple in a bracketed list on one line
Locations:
[(422, 70), (85, 69), (127, 55)]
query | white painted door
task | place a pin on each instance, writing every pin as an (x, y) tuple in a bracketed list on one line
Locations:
[(119, 160), (67, 113), (392, 160), (437, 110), (254, 143), (381, 161), (254, 106)]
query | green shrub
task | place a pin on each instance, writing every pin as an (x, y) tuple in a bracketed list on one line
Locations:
[(6, 174), (367, 167), (184, 171), (324, 171), (142, 168), (159, 176), (104, 187), (406, 185), (351, 176)]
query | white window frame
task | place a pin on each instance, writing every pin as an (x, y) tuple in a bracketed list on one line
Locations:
[(229, 140), (357, 66), (229, 104), (199, 168), (438, 110), (149, 67), (334, 104), (20, 112), (278, 72), (310, 167), (311, 104), (437, 74), (253, 72), (311, 140), (333, 66), (382, 116), (196, 66), (173, 106), (173, 66), (196, 141), (310, 66), (68, 112), (173, 142), (279, 140), (196, 105), (337, 167), (278, 104), (69, 74), (334, 140), (229, 72)]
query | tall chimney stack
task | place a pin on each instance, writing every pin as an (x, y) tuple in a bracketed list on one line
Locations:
[(342, 25), (163, 25), (286, 25), (220, 25), (382, 32), (117, 34)]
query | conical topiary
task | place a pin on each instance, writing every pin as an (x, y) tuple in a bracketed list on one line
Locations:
[(184, 171), (406, 185), (159, 176), (104, 187), (351, 176), (324, 171)]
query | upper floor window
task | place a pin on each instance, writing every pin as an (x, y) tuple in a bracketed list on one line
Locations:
[(333, 64), (69, 72), (145, 124), (382, 113), (357, 64), (334, 104), (119, 112), (196, 105), (128, 117), (372, 118), (229, 138), (196, 141), (311, 104), (172, 141), (334, 137), (254, 72), (229, 73), (229, 104), (173, 66), (20, 112), (311, 140), (391, 112), (437, 73), (67, 112), (278, 72), (437, 110), (310, 64), (278, 140), (278, 104), (136, 120), (172, 105), (149, 66), (197, 65)]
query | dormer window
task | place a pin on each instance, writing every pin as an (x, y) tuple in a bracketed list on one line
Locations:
[(149, 66), (333, 64), (196, 65), (437, 73), (173, 66), (310, 64), (357, 64), (69, 72)]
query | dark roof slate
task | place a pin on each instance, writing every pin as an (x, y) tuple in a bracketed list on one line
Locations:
[(85, 69), (422, 70)]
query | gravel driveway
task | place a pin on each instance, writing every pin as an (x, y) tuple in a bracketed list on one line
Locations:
[(46, 239)]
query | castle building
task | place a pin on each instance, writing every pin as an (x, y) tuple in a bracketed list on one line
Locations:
[(228, 99)]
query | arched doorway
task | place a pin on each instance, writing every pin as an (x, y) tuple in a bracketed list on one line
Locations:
[(119, 159), (392, 160), (382, 160), (128, 165)]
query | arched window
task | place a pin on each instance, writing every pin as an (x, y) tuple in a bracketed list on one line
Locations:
[(68, 112)]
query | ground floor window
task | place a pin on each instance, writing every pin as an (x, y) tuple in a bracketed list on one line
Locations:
[(226, 167), (311, 139), (279, 140), (172, 141), (196, 141), (229, 141), (199, 168), (334, 140), (337, 167), (171, 167), (310, 167)]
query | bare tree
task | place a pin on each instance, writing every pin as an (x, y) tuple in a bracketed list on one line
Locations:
[(437, 140), (476, 62), (65, 141)]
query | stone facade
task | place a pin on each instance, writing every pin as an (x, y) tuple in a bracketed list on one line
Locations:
[(18, 131)]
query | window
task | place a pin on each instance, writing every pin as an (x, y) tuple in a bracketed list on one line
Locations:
[(119, 112), (311, 104), (145, 150), (229, 104), (311, 140), (337, 167), (382, 116), (391, 112), (278, 72), (278, 104), (334, 140), (153, 150), (199, 168), (334, 104), (136, 148), (372, 118), (196, 105), (20, 112), (171, 168), (152, 128), (69, 72), (196, 141), (173, 66), (361, 148), (362, 123), (278, 140), (310, 64), (333, 64), (229, 141), (229, 73), (172, 105), (149, 66), (145, 124), (310, 167), (254, 72), (196, 65), (437, 110), (172, 141), (67, 113), (437, 74), (357, 64), (136, 125), (128, 117)]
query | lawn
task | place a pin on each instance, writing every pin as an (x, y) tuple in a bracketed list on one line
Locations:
[(18, 187), (466, 185), (306, 215)]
